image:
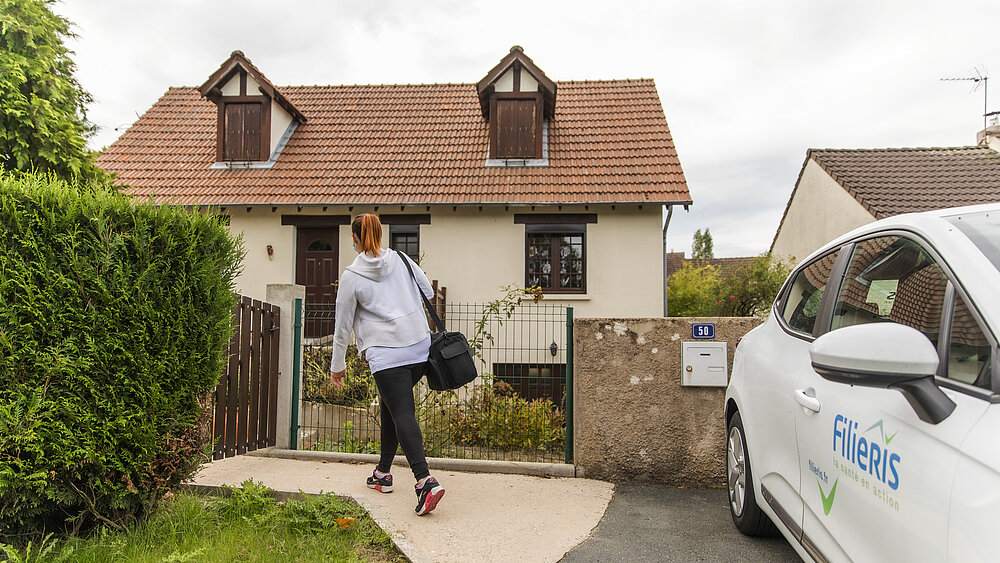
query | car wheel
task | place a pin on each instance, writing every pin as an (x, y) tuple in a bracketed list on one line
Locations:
[(743, 507)]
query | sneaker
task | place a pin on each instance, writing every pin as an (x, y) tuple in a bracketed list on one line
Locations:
[(428, 496), (380, 484)]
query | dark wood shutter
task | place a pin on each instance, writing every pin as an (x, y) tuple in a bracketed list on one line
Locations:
[(516, 129), (242, 130)]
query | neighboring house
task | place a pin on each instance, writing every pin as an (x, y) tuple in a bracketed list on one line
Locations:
[(513, 180), (841, 189), (724, 266)]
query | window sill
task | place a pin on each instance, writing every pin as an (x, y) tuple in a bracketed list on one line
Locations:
[(565, 297), (242, 165)]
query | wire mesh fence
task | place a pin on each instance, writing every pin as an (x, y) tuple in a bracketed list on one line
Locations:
[(516, 409)]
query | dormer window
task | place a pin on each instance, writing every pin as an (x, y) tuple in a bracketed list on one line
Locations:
[(516, 122), (254, 119), (517, 99), (244, 134)]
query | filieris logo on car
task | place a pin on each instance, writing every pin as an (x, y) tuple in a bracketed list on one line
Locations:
[(865, 457)]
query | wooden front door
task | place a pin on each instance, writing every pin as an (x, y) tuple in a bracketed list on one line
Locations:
[(316, 267)]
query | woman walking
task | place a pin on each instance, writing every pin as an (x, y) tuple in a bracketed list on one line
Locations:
[(378, 301)]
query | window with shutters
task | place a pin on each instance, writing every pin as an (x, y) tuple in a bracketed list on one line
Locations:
[(517, 129), (242, 132)]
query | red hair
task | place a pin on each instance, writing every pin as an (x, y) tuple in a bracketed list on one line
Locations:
[(368, 229)]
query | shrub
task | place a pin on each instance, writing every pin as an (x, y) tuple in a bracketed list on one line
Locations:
[(746, 290), (751, 289), (359, 386), (114, 316), (691, 291), (494, 416)]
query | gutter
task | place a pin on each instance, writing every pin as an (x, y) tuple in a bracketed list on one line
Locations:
[(666, 223)]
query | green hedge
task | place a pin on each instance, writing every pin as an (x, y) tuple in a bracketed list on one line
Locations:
[(113, 320)]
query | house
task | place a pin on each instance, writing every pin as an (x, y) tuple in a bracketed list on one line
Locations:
[(839, 190), (515, 179)]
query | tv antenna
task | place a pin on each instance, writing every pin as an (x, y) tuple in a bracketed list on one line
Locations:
[(980, 78)]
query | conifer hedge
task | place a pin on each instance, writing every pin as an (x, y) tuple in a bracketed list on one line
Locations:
[(113, 319)]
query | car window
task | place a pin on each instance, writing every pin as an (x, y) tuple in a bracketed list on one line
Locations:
[(969, 350), (802, 304), (892, 279)]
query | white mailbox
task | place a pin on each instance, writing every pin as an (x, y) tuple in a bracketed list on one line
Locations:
[(704, 364)]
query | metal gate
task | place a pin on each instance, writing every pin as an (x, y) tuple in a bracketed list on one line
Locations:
[(519, 409), (246, 398)]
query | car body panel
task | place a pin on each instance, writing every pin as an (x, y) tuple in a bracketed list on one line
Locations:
[(773, 461), (976, 493)]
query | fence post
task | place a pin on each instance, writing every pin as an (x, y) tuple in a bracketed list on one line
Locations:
[(296, 375), (569, 384), (284, 295)]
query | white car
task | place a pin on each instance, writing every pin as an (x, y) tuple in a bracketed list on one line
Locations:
[(863, 414)]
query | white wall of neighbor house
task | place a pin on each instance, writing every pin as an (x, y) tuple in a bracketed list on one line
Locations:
[(474, 253), (820, 210)]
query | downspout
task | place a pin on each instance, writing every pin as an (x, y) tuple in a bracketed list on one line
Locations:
[(666, 223)]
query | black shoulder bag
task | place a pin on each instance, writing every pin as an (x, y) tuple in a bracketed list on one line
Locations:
[(449, 363)]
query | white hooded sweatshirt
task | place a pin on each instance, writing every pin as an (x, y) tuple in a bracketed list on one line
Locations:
[(378, 300)]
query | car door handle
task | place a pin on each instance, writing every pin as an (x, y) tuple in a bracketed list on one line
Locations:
[(807, 402)]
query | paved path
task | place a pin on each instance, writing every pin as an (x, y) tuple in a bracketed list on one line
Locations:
[(658, 523), (483, 516)]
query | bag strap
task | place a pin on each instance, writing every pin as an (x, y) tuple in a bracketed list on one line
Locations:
[(430, 308)]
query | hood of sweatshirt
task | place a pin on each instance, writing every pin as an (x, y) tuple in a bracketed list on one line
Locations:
[(375, 268)]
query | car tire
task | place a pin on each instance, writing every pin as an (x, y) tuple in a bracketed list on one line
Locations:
[(743, 507)]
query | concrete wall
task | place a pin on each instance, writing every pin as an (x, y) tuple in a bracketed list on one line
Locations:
[(474, 252), (820, 210), (633, 421)]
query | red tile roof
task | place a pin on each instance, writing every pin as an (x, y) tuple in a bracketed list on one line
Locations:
[(893, 181), (409, 144)]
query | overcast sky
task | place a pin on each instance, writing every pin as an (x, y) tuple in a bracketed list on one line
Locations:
[(746, 87)]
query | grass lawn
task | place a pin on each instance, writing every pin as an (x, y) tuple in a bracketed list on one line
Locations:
[(249, 525)]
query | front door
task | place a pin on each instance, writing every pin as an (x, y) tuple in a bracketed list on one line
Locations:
[(316, 265)]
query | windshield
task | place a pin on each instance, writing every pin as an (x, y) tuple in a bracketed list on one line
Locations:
[(983, 229)]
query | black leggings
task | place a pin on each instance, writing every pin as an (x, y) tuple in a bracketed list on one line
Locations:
[(399, 420)]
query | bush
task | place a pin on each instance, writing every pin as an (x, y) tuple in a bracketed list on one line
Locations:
[(359, 386), (114, 320), (691, 291), (747, 290), (751, 289), (493, 416)]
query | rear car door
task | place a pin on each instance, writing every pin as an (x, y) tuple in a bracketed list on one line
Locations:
[(876, 480)]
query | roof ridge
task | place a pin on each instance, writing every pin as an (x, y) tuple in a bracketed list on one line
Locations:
[(899, 149), (438, 84)]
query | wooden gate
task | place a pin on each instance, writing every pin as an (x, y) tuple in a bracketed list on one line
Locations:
[(246, 398)]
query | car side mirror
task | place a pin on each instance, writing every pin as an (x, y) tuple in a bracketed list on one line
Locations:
[(884, 355)]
